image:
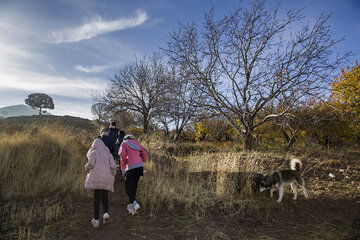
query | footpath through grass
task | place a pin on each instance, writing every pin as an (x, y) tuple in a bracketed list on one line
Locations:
[(190, 191)]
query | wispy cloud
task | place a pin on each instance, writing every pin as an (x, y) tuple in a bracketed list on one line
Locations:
[(70, 86), (92, 69), (97, 27)]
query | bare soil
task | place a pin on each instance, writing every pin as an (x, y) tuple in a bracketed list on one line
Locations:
[(320, 217)]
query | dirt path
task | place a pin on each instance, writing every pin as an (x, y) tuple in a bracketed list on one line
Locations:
[(122, 224), (314, 218)]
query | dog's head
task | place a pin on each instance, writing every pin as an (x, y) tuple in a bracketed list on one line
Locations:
[(266, 183)]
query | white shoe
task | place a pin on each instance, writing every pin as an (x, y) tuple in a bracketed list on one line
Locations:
[(136, 206), (106, 218), (95, 222), (130, 208)]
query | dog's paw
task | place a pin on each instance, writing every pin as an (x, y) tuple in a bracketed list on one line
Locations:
[(279, 200), (294, 198), (262, 189)]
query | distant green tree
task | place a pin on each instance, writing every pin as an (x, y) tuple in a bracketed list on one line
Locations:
[(39, 101)]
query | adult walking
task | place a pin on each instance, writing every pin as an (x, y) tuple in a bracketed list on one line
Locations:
[(113, 136), (132, 155), (101, 169), (104, 136)]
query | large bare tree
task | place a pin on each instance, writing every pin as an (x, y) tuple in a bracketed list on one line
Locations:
[(253, 56), (182, 101), (138, 88), (98, 110)]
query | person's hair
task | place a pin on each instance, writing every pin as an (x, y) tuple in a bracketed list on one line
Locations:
[(121, 134), (129, 137), (104, 130), (113, 123)]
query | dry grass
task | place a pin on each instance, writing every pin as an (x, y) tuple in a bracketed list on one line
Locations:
[(41, 173), (202, 180), (40, 169)]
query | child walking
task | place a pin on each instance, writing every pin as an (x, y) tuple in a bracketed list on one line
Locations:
[(101, 169), (132, 155)]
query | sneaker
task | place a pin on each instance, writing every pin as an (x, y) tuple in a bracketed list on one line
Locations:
[(106, 218), (95, 222), (130, 208), (136, 206)]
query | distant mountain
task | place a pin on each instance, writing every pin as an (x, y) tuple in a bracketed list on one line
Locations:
[(18, 110)]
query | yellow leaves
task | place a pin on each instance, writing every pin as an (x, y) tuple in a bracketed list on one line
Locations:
[(346, 89), (201, 131)]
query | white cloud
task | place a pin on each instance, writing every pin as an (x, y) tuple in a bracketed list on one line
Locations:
[(29, 65), (60, 85), (77, 89), (92, 69), (97, 27)]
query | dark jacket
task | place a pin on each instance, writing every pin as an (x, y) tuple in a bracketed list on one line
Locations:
[(118, 142), (108, 143), (113, 134), (120, 138)]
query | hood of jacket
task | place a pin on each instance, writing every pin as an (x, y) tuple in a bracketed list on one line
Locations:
[(132, 145)]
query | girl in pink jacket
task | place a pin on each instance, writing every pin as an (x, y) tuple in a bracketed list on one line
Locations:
[(132, 157), (101, 169)]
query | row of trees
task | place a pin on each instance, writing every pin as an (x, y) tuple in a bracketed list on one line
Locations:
[(249, 67), (153, 92)]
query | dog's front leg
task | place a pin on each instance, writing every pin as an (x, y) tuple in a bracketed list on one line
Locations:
[(281, 191), (293, 188), (272, 190)]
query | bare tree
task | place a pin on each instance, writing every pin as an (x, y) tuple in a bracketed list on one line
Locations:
[(124, 119), (180, 103), (249, 57), (138, 88), (302, 117), (98, 110)]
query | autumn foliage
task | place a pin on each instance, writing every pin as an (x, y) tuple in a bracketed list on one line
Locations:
[(346, 89)]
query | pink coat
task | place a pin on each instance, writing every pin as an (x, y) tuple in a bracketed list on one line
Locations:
[(132, 155), (101, 167)]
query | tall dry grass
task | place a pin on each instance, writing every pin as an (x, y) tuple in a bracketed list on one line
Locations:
[(40, 170), (202, 181)]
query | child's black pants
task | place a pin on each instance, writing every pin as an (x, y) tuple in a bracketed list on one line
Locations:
[(100, 195), (131, 182)]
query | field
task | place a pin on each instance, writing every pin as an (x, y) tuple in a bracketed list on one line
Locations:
[(190, 190)]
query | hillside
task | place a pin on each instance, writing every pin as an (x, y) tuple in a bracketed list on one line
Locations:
[(22, 122), (18, 110)]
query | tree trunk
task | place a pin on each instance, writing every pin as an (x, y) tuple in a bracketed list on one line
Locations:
[(177, 134), (290, 139), (40, 111), (167, 131), (145, 123), (248, 141), (290, 143)]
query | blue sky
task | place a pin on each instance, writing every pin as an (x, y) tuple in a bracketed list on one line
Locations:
[(69, 49)]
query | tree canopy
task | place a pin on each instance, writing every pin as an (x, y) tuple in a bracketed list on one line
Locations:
[(253, 57), (346, 89), (40, 101)]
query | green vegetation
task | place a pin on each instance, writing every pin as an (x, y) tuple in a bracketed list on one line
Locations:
[(40, 101)]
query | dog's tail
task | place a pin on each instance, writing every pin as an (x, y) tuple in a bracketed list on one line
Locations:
[(295, 164)]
